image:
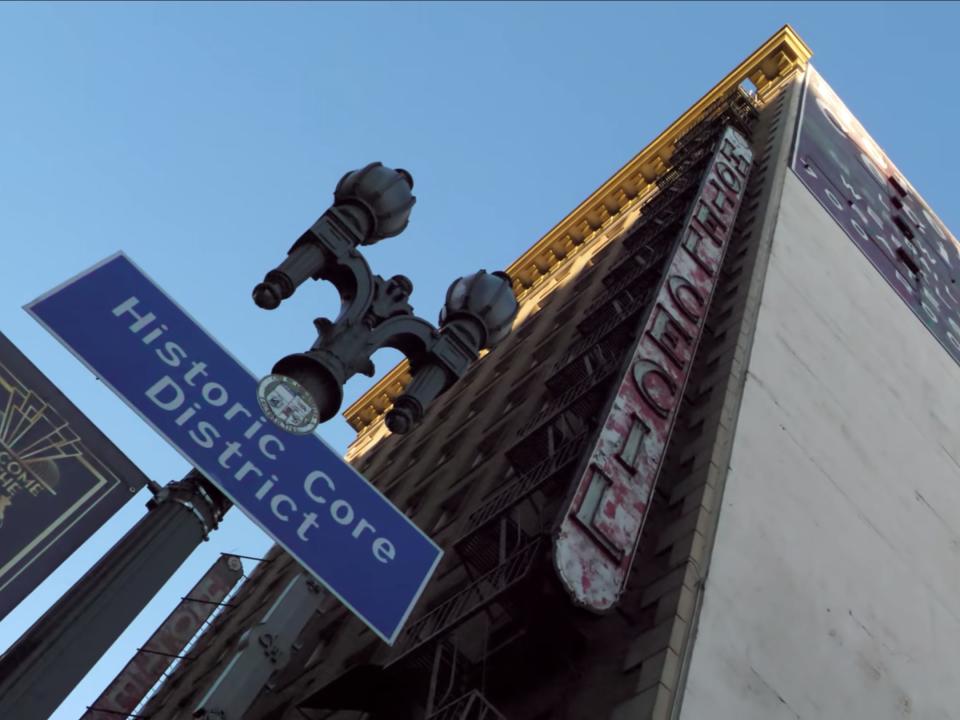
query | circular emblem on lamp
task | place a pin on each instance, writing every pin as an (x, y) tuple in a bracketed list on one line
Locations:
[(287, 404)]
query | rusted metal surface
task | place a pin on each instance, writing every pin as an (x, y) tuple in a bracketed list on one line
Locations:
[(598, 530)]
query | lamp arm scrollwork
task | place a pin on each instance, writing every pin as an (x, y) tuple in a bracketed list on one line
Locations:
[(371, 204)]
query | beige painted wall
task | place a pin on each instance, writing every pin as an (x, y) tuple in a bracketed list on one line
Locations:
[(833, 591)]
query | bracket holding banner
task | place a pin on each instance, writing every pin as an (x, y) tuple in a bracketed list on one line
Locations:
[(263, 649)]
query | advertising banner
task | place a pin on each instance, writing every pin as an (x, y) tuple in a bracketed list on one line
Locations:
[(60, 477), (150, 662), (878, 208)]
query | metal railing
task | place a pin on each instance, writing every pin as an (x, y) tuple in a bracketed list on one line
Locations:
[(650, 266), (525, 485), (575, 392), (584, 344), (472, 706), (464, 604)]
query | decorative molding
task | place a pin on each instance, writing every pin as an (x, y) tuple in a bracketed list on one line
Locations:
[(769, 68)]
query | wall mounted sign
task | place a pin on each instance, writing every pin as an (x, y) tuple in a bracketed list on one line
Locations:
[(599, 529), (60, 477), (878, 208)]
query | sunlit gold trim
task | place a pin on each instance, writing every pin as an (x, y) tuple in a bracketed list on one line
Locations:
[(773, 64)]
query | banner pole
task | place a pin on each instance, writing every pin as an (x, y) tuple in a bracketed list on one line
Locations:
[(49, 659)]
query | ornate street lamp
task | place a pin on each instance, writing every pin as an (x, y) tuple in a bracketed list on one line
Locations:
[(305, 389)]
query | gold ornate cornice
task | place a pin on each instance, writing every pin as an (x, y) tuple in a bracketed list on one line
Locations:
[(768, 69)]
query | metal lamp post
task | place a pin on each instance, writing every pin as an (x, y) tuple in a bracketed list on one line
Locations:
[(369, 205), (58, 650)]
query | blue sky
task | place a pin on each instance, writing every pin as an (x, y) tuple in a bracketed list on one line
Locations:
[(202, 139)]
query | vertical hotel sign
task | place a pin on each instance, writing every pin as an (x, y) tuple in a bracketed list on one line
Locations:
[(598, 532), (60, 477), (145, 670), (879, 210)]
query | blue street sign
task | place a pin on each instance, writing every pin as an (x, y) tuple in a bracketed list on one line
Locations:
[(204, 402)]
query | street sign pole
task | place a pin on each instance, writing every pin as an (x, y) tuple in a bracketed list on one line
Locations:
[(46, 663)]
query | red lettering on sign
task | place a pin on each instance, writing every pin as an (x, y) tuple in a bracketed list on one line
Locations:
[(687, 298), (590, 517), (600, 528), (655, 386), (670, 336), (632, 451)]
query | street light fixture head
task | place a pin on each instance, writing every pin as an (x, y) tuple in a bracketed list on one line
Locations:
[(485, 298), (306, 388), (406, 176), (385, 196), (316, 378), (369, 205), (267, 296)]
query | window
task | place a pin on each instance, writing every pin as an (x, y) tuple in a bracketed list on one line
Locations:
[(479, 458), (585, 280), (416, 454), (486, 449), (448, 567), (515, 398), (478, 405), (445, 454), (392, 456), (502, 366), (525, 331), (444, 412), (544, 350), (508, 473), (389, 490), (566, 313), (414, 503), (513, 401), (323, 644), (449, 511), (449, 449)]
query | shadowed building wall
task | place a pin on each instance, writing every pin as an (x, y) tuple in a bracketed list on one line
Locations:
[(781, 535)]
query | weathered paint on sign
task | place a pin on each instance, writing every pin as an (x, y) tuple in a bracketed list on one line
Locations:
[(598, 533), (139, 675), (879, 210)]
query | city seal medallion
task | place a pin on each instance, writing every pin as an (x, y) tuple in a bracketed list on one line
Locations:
[(287, 404)]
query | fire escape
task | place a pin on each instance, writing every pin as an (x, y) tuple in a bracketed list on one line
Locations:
[(504, 544)]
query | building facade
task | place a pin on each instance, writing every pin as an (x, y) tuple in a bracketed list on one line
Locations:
[(710, 474)]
